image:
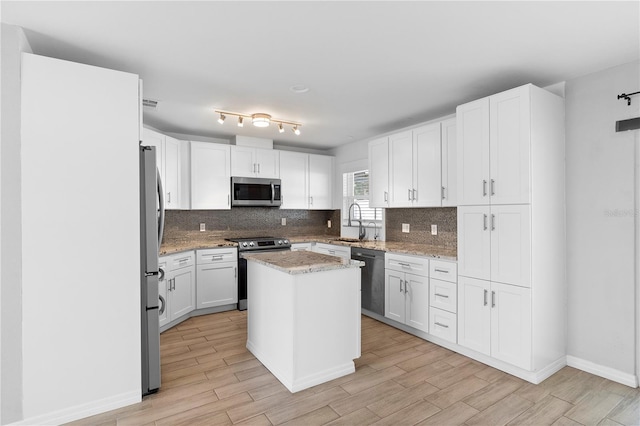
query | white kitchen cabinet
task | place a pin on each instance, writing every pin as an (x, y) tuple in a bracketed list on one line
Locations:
[(443, 324), (301, 246), (178, 287), (511, 227), (169, 162), (307, 181), (210, 176), (415, 167), (332, 250), (320, 182), (217, 277), (449, 163), (254, 162), (294, 174), (407, 290), (379, 173), (494, 139), (495, 319)]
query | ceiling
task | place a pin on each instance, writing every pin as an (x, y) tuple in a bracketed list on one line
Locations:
[(371, 67)]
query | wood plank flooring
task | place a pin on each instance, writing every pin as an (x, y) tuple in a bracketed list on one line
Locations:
[(209, 378)]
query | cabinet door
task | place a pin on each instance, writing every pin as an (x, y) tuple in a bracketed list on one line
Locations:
[(510, 131), (162, 294), (474, 242), (320, 182), (172, 180), (243, 161), (417, 302), (294, 172), (401, 170), (268, 161), (210, 176), (473, 152), (449, 164), (183, 293), (427, 166), (474, 315), (394, 306), (511, 245), (151, 138), (511, 324), (379, 173), (217, 285)]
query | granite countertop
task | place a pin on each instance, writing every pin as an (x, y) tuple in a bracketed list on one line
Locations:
[(301, 262), (197, 241)]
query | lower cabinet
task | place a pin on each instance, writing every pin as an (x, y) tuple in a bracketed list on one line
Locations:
[(217, 277), (495, 319), (407, 290), (301, 246), (443, 300), (177, 286)]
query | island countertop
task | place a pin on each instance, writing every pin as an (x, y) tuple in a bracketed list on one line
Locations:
[(301, 262)]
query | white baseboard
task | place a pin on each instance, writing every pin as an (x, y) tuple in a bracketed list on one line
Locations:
[(84, 410), (602, 371)]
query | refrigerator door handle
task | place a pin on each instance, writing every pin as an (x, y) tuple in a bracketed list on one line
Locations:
[(161, 215)]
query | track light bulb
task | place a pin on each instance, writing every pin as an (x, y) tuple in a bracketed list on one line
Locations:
[(240, 121), (296, 130), (280, 128), (221, 119)]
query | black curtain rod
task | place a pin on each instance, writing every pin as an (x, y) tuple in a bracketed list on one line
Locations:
[(627, 96)]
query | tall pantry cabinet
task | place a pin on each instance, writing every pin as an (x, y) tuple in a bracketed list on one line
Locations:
[(510, 150)]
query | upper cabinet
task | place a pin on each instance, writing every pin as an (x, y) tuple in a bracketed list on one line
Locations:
[(169, 161), (449, 163), (210, 176), (494, 142), (379, 172), (254, 162), (307, 181)]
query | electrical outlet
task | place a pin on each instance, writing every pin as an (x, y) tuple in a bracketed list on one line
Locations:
[(405, 227), (284, 221), (434, 229), (329, 223), (203, 227)]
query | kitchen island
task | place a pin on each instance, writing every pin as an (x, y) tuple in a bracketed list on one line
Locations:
[(303, 315)]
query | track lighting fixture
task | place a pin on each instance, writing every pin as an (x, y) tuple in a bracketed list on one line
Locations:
[(260, 119)]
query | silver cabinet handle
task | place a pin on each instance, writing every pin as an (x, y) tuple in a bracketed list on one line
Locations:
[(184, 259), (168, 197), (408, 265), (484, 221), (386, 196), (485, 297), (228, 199), (493, 187), (216, 257), (442, 193), (441, 270), (258, 168), (414, 195), (493, 299), (493, 222), (174, 284), (400, 286), (409, 197), (253, 170), (163, 304), (442, 295), (484, 188), (332, 252), (442, 325), (311, 200), (235, 272)]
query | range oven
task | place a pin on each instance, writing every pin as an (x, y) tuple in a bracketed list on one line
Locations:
[(256, 244)]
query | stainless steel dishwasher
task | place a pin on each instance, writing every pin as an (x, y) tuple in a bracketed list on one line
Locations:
[(372, 281)]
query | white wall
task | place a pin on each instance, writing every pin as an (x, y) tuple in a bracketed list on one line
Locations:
[(13, 43), (601, 221)]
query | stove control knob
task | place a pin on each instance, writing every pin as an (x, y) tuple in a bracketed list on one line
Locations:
[(244, 244), (286, 241), (279, 242), (251, 244)]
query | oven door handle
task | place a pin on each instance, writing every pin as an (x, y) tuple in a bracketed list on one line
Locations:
[(273, 193)]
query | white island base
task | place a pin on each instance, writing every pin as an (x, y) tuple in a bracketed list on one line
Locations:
[(304, 327)]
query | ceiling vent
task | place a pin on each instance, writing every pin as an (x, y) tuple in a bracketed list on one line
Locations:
[(150, 103)]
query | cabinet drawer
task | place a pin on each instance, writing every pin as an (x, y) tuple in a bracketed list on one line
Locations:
[(179, 260), (301, 247), (333, 250), (443, 324), (404, 263), (445, 271), (229, 254), (443, 295)]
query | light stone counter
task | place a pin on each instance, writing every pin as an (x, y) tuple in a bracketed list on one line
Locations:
[(301, 262)]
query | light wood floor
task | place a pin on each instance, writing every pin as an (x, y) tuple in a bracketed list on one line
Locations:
[(209, 378)]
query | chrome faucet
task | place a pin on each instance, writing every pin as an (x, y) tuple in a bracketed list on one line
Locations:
[(375, 229), (361, 231)]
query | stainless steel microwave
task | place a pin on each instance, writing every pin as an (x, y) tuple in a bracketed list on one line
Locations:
[(247, 191)]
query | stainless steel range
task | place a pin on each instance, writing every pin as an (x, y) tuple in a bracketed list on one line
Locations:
[(250, 245)]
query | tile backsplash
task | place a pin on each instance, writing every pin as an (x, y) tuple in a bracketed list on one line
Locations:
[(250, 222), (420, 221)]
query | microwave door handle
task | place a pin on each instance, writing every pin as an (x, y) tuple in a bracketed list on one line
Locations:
[(273, 193)]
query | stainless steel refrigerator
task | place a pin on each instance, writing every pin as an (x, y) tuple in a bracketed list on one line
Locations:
[(151, 228)]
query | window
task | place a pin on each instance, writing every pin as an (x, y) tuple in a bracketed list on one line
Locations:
[(355, 189)]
